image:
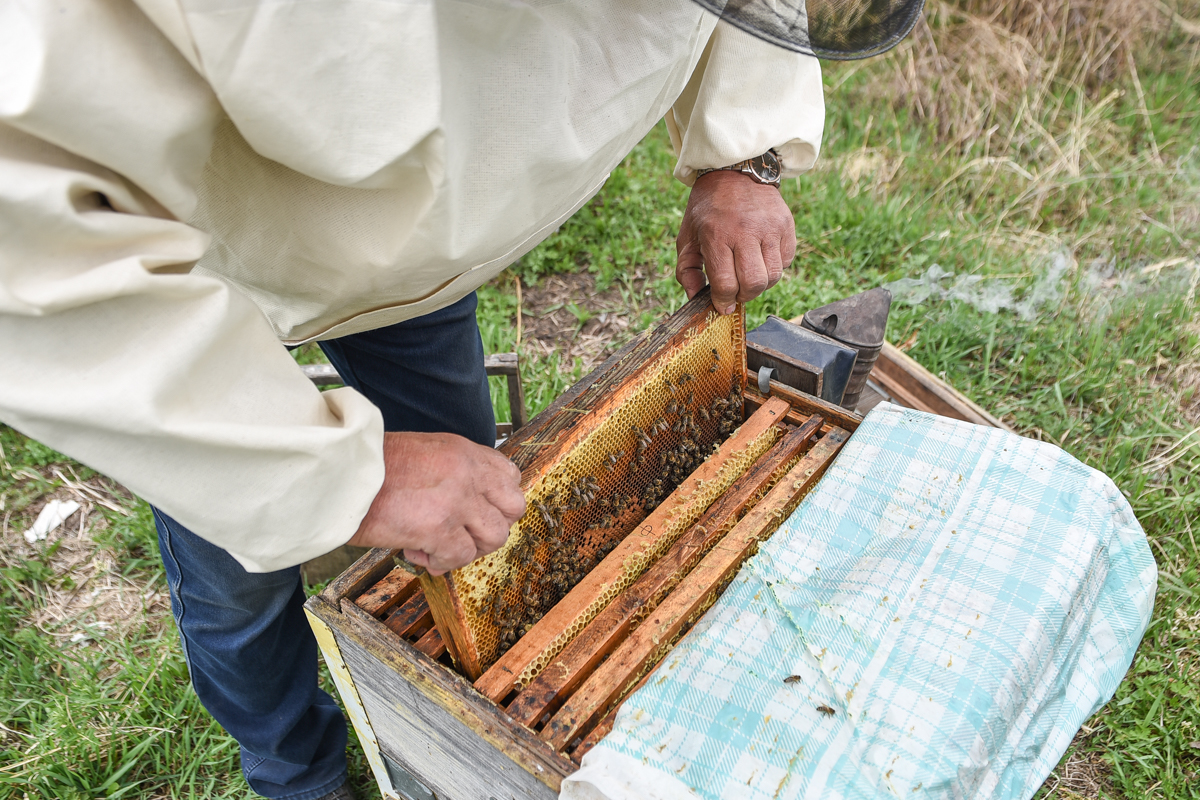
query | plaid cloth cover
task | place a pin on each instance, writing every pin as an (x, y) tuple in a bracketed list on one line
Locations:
[(948, 606)]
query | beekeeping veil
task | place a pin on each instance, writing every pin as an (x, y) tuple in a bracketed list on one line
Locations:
[(840, 30)]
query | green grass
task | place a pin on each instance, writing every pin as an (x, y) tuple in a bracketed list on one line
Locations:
[(1108, 367)]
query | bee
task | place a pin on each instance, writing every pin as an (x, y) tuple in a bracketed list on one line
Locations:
[(704, 415), (716, 355), (672, 408), (691, 398), (792, 679), (671, 386), (685, 377), (712, 369), (826, 710)]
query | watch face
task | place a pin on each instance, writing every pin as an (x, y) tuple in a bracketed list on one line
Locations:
[(766, 167)]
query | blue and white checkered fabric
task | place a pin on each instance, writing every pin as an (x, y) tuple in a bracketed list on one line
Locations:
[(962, 599)]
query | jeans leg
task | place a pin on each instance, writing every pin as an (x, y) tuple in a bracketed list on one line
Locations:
[(253, 663), (424, 374)]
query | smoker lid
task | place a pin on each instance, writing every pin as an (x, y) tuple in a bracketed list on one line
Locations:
[(859, 321)]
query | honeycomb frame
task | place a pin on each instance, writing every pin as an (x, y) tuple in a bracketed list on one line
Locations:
[(594, 465)]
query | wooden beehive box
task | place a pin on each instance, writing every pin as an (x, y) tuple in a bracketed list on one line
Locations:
[(649, 483)]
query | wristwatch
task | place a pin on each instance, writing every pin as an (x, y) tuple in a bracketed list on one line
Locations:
[(764, 169)]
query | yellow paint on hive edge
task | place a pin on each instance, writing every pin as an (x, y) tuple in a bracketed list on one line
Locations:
[(352, 702)]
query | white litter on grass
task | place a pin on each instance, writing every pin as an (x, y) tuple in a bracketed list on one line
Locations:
[(54, 514)]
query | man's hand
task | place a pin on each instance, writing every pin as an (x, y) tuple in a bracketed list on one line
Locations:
[(737, 230), (445, 500)]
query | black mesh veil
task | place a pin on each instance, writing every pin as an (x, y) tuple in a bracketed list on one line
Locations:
[(841, 30)]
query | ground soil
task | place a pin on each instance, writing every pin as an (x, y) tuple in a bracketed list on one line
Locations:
[(592, 331)]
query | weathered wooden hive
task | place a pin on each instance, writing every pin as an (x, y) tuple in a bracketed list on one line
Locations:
[(648, 484)]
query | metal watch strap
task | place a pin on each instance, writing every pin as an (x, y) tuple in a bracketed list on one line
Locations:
[(765, 169)]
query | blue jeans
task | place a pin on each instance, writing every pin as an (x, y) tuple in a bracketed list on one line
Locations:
[(250, 653)]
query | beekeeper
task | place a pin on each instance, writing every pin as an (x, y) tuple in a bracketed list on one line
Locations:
[(184, 185)]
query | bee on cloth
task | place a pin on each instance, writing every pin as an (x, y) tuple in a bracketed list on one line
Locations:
[(792, 679), (826, 710)]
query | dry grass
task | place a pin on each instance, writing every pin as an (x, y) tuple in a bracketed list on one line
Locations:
[(1083, 774), (1032, 101), (92, 599), (991, 68)]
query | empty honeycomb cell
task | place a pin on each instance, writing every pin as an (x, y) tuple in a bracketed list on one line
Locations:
[(677, 411)]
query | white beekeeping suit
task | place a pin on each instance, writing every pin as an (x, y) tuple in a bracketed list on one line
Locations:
[(186, 183)]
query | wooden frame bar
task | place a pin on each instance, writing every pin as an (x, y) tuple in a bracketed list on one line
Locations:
[(396, 587), (804, 404)]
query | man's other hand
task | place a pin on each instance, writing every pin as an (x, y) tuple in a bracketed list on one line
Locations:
[(738, 231), (445, 500)]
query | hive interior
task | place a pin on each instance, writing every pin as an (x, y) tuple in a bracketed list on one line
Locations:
[(664, 421)]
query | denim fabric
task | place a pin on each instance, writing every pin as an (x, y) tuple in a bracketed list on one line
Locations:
[(250, 653)]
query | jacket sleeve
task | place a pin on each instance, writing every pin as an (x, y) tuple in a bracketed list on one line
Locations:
[(745, 97), (173, 384)]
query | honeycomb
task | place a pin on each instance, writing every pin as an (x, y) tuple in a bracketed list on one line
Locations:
[(678, 410)]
